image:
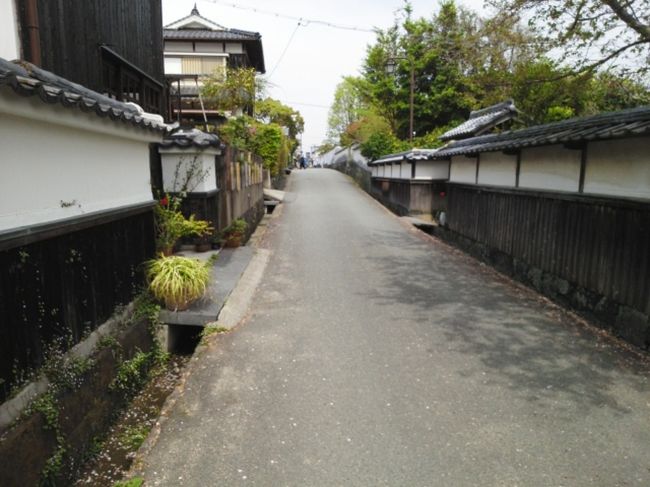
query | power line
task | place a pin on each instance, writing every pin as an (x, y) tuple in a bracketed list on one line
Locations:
[(307, 104), (285, 50), (303, 20)]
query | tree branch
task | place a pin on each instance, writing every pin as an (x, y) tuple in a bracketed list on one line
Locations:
[(619, 10)]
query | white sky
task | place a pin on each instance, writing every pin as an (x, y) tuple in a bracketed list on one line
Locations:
[(318, 56)]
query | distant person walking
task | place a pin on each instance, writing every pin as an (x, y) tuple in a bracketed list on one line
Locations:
[(303, 162)]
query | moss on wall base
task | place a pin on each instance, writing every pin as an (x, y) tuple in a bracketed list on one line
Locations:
[(47, 444)]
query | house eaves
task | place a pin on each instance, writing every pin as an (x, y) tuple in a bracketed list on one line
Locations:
[(210, 35), (481, 121), (184, 138), (625, 123), (409, 156), (27, 80)]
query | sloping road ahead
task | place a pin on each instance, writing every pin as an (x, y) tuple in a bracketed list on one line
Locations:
[(376, 357)]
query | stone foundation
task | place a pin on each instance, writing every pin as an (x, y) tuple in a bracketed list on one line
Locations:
[(627, 323)]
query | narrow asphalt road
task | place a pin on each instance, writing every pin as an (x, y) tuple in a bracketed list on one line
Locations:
[(374, 356)]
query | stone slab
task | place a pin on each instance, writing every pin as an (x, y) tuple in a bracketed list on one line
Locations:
[(274, 194), (228, 268)]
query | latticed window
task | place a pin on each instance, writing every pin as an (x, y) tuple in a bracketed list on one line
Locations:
[(201, 65)]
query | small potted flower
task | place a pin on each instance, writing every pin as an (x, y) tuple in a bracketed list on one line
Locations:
[(171, 225), (234, 233)]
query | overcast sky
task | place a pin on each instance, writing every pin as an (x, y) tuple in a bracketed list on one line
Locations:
[(318, 56)]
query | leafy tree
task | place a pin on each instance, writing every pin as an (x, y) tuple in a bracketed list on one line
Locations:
[(545, 92), (428, 54), (378, 87), (609, 92), (346, 109), (232, 89), (380, 144), (270, 110), (458, 62), (615, 32), (273, 111), (266, 140)]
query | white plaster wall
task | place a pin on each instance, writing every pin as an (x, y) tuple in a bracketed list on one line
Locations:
[(497, 169), (432, 170), (463, 170), (178, 46), (52, 172), (204, 163), (173, 65), (209, 47), (9, 44), (357, 157), (619, 168), (406, 170), (550, 168), (234, 48)]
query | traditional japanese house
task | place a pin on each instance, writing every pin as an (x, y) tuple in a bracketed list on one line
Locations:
[(196, 47)]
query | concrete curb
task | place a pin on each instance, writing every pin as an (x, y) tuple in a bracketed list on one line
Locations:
[(240, 299), (231, 314)]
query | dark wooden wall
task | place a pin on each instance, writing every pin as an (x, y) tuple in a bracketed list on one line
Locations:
[(71, 32), (599, 244), (60, 288), (408, 197), (395, 194)]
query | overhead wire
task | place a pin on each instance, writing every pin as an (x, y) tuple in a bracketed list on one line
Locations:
[(305, 21), (307, 104), (286, 48)]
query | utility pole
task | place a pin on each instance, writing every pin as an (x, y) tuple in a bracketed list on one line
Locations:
[(411, 101), (391, 66)]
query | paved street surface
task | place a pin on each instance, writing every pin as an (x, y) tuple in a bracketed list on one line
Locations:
[(373, 356)]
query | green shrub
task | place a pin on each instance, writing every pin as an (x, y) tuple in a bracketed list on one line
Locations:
[(171, 225), (237, 226)]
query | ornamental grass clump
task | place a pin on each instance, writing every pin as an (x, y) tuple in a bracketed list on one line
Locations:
[(177, 281)]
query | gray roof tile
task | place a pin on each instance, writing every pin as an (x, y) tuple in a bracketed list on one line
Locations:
[(409, 155), (210, 35), (27, 80), (191, 138), (482, 120), (624, 123)]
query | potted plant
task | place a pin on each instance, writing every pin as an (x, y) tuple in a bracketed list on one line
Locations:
[(234, 233), (203, 243), (177, 281), (171, 225)]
